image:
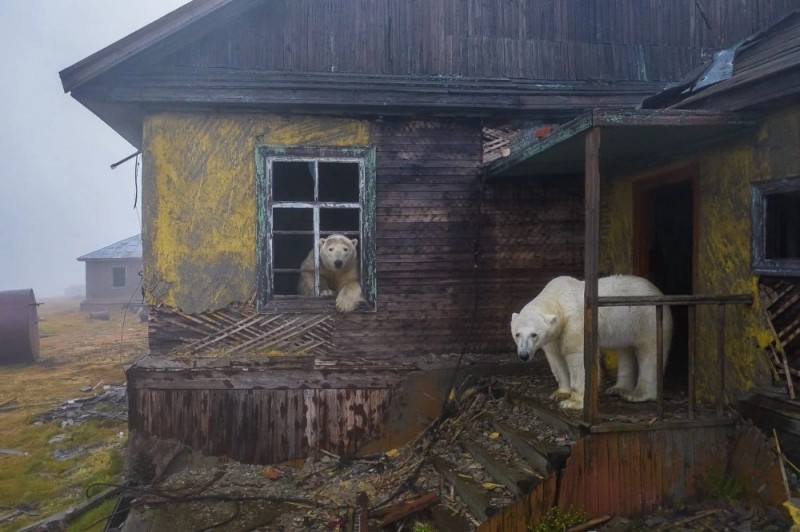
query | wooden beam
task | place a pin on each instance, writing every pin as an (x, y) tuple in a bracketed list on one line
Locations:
[(591, 353)]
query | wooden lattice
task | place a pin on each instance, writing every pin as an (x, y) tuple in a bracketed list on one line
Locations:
[(497, 142), (781, 300), (239, 330)]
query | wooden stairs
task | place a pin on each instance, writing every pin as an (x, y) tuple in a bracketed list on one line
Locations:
[(504, 461)]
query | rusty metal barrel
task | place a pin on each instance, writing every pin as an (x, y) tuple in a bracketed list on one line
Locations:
[(19, 327)]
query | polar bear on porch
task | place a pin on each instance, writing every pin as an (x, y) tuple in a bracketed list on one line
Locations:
[(553, 321), (339, 272)]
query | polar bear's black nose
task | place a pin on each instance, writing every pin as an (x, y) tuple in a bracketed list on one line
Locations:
[(338, 263)]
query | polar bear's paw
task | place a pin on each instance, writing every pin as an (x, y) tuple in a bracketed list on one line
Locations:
[(326, 293), (349, 298), (639, 396), (575, 402), (618, 390), (560, 395)]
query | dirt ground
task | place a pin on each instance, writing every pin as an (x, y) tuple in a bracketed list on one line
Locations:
[(56, 437)]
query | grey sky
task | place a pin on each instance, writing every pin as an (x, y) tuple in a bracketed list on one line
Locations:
[(59, 198)]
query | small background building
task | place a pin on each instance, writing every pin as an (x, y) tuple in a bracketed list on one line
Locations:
[(112, 275)]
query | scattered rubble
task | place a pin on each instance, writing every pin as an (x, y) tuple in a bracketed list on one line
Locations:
[(110, 403)]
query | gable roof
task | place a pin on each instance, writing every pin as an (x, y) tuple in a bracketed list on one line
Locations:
[(130, 248)]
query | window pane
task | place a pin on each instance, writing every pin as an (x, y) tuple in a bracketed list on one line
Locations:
[(783, 226), (339, 221), (292, 219), (338, 182), (286, 283), (292, 181), (288, 251)]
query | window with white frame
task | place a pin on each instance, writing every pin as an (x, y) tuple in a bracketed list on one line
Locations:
[(776, 227), (304, 195)]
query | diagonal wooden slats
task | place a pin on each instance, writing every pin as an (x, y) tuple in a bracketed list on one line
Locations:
[(240, 329)]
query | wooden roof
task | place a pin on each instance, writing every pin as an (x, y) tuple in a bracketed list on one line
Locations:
[(425, 58), (762, 68)]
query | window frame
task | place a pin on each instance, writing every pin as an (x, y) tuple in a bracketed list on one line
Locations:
[(760, 192), (267, 300), (124, 276)]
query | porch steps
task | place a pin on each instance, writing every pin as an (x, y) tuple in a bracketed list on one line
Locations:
[(543, 456), (502, 461)]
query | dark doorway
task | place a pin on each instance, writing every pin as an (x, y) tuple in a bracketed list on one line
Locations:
[(665, 254)]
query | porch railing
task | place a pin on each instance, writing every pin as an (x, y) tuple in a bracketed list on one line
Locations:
[(591, 410)]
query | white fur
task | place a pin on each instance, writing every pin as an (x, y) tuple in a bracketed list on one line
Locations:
[(339, 272), (553, 321)]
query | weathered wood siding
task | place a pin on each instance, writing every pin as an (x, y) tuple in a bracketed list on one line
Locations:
[(533, 39), (723, 247), (432, 211), (259, 426)]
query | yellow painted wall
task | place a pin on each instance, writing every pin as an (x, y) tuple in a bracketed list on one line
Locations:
[(723, 247), (199, 204)]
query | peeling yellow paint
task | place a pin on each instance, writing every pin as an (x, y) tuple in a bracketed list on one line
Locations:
[(723, 247), (199, 227)]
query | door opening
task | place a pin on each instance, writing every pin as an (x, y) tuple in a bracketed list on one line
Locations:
[(665, 255)]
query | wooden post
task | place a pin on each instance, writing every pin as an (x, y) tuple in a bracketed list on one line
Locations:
[(692, 348), (591, 355), (660, 360), (721, 358)]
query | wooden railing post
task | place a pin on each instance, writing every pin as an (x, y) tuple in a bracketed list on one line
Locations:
[(691, 361), (660, 360), (721, 357)]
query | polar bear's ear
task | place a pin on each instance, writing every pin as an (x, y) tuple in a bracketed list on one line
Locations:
[(550, 319), (354, 242), (322, 241), (514, 317)]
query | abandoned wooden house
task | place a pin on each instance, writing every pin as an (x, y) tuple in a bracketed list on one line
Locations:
[(113, 276), (475, 150)]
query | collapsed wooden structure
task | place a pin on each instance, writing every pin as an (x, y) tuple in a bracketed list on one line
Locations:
[(475, 159)]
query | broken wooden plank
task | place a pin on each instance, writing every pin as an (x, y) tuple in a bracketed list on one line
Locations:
[(516, 481), (404, 509), (473, 495), (544, 457)]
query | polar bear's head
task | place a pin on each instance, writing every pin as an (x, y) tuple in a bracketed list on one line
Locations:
[(337, 252), (531, 332)]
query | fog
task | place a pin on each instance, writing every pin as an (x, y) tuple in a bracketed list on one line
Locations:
[(59, 197)]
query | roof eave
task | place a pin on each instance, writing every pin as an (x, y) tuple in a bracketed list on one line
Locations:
[(146, 37)]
